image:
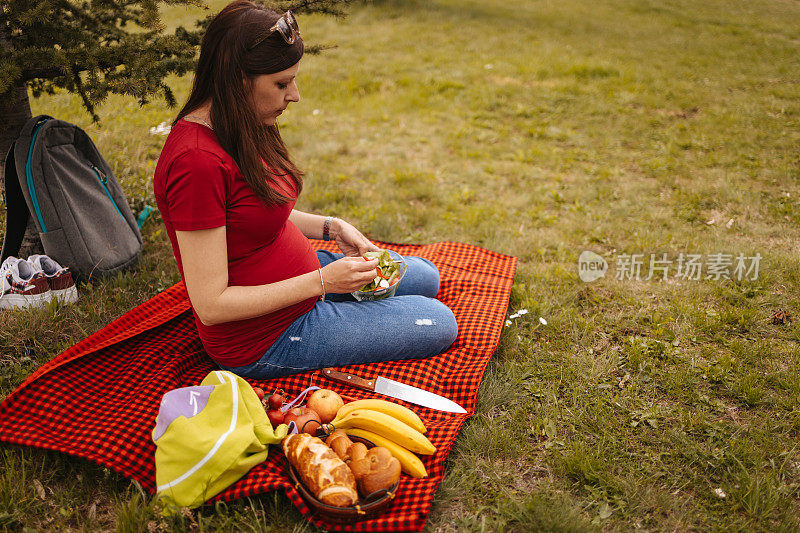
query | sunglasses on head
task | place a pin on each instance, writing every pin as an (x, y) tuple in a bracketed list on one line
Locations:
[(286, 26)]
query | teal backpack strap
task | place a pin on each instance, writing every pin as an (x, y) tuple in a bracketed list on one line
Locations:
[(31, 131), (32, 124)]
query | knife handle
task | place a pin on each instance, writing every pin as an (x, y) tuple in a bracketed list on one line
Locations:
[(348, 379)]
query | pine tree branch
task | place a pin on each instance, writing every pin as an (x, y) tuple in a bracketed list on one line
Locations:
[(316, 6), (89, 47), (76, 77), (46, 73)]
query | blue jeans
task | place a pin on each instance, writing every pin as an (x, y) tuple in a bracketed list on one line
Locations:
[(341, 331)]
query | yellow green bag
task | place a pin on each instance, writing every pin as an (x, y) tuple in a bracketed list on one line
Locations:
[(208, 436)]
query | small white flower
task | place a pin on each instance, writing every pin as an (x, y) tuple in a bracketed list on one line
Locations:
[(543, 321), (729, 224), (522, 312), (720, 493), (515, 315), (508, 322), (711, 222), (488, 66), (315, 112), (162, 129)]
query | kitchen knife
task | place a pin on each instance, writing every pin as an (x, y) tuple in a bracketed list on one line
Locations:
[(395, 389)]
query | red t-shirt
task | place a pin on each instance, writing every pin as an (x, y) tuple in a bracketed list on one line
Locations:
[(199, 186)]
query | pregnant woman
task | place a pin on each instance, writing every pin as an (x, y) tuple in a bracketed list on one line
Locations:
[(266, 304)]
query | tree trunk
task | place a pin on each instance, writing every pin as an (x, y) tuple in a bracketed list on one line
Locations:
[(13, 116), (14, 113)]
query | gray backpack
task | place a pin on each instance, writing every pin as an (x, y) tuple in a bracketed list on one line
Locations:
[(54, 174)]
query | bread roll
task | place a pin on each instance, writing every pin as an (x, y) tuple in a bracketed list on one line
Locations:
[(339, 442), (377, 470), (346, 449), (320, 469)]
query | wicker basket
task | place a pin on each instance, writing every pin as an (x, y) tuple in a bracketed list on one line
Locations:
[(368, 507)]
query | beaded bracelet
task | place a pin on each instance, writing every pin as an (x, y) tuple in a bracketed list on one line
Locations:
[(326, 229)]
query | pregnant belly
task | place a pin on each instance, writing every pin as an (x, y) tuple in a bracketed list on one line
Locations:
[(289, 255)]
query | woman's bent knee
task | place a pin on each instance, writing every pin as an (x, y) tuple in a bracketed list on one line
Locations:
[(450, 329), (428, 278), (437, 325)]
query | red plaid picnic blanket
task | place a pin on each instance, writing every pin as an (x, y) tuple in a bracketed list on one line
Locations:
[(114, 380)]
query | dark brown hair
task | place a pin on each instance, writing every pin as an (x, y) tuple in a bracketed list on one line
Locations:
[(225, 61)]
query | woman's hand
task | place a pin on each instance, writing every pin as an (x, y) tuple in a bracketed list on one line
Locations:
[(348, 274), (349, 240)]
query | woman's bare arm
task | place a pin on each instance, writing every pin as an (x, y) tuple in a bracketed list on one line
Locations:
[(205, 271), (311, 225), (350, 241)]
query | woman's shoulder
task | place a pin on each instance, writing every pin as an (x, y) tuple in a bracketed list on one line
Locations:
[(194, 138), (192, 144)]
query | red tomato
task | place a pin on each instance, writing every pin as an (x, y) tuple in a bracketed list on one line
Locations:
[(275, 417), (276, 400), (259, 392)]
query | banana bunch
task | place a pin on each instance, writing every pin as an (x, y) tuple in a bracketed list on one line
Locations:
[(389, 425)]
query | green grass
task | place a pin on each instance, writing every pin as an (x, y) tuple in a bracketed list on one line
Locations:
[(536, 129)]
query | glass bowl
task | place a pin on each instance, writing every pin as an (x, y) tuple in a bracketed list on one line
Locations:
[(385, 292)]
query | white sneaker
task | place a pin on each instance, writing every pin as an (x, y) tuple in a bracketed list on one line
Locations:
[(62, 287), (21, 286)]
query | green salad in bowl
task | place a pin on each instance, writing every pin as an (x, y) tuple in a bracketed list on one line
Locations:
[(388, 274)]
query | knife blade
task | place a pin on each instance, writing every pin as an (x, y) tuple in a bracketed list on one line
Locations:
[(395, 389)]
